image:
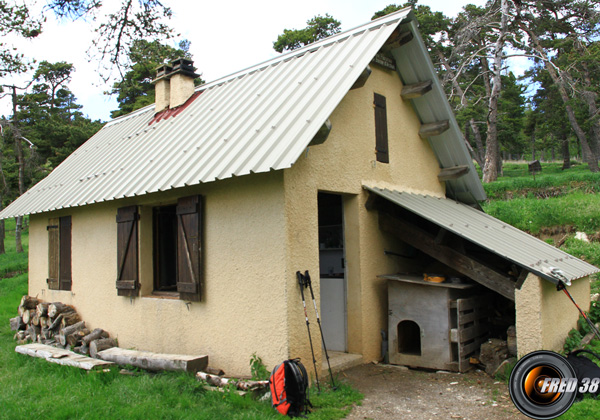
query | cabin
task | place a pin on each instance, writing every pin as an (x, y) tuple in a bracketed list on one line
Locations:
[(181, 227)]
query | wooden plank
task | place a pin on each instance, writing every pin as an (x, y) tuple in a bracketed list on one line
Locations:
[(416, 90), (154, 361), (61, 356), (397, 40), (425, 242), (433, 129), (455, 172), (473, 332), (471, 303), (468, 349)]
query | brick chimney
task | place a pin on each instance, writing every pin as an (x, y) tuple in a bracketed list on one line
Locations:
[(162, 88), (182, 81), (174, 84)]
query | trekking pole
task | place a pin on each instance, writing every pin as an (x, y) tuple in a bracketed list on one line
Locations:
[(308, 281), (561, 286), (302, 286)]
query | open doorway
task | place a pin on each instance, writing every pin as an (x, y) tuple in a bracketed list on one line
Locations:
[(332, 266)]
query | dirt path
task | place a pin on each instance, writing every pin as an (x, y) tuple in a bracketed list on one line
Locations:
[(393, 392)]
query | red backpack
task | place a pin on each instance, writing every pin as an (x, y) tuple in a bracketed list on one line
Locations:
[(289, 388)]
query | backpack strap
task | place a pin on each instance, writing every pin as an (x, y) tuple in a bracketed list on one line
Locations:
[(576, 352), (301, 377)]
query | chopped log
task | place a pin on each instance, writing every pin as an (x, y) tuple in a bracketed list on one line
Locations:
[(46, 333), (67, 331), (35, 320), (58, 308), (17, 323), (33, 332), (28, 315), (84, 349), (43, 321), (75, 338), (153, 361), (99, 345), (42, 309), (214, 371), (56, 323), (29, 302), (95, 335), (70, 318), (493, 353), (238, 383)]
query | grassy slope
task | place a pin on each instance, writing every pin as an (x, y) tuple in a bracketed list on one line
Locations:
[(32, 388), (555, 199)]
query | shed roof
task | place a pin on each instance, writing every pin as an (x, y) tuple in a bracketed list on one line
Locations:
[(257, 120), (492, 234)]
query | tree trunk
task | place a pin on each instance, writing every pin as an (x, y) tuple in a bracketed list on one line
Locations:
[(492, 155), (21, 165), (588, 155), (566, 154), (101, 344)]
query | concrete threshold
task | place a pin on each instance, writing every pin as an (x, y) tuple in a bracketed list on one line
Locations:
[(341, 361)]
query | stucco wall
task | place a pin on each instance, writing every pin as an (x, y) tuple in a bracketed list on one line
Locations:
[(342, 165), (244, 294), (545, 315)]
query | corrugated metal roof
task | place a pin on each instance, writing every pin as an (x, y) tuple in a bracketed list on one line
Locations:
[(492, 234), (256, 120), (414, 65)]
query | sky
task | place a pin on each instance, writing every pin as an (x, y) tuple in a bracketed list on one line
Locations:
[(225, 38)]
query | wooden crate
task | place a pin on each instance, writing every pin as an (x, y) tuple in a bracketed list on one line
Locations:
[(470, 328)]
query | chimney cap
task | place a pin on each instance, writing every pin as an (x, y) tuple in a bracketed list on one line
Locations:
[(163, 72), (183, 66)]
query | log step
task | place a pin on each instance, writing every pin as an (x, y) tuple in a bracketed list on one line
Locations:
[(61, 356), (154, 361)]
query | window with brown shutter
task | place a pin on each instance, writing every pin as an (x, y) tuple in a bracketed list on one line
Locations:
[(381, 131), (127, 251), (189, 248), (59, 253)]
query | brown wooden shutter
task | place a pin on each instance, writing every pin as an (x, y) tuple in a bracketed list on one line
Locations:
[(127, 251), (65, 253), (53, 253), (189, 248), (381, 131)]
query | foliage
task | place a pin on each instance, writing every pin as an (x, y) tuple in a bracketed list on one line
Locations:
[(15, 19), (258, 369), (136, 90), (317, 28)]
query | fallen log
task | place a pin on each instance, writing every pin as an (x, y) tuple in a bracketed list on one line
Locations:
[(243, 385), (153, 361), (61, 357), (99, 345)]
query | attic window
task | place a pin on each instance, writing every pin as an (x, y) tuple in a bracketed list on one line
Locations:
[(381, 131)]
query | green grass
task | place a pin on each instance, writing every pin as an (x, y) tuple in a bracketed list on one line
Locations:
[(35, 389), (11, 262)]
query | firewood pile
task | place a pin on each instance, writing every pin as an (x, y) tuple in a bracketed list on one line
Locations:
[(59, 325)]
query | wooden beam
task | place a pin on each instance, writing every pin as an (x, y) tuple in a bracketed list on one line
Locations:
[(522, 277), (322, 134), (425, 242), (154, 361), (455, 172), (362, 79), (433, 129), (416, 90), (396, 40)]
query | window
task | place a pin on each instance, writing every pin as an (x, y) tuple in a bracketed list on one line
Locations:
[(381, 132), (164, 229), (59, 253), (177, 249)]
